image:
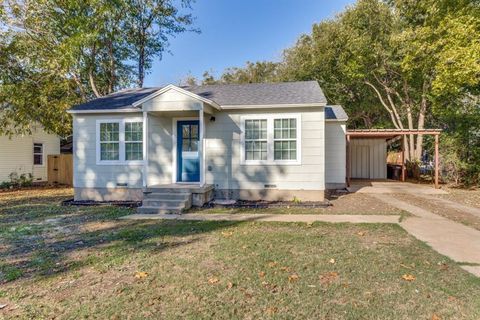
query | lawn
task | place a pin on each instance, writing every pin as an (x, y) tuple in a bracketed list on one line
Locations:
[(81, 262)]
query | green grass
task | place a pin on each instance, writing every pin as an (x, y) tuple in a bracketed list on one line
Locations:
[(84, 264)]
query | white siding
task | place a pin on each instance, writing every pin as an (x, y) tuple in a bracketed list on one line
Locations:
[(368, 158), (223, 157), (16, 154), (335, 154), (86, 173)]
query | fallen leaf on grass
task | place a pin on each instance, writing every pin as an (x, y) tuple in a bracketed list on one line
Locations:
[(435, 317), (286, 269), (227, 234), (362, 233), (213, 280), (261, 274), (271, 310), (141, 275), (408, 277), (293, 277), (328, 277), (272, 264), (332, 261), (229, 285), (2, 306)]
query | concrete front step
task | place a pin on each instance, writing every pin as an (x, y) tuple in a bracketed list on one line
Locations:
[(157, 210), (166, 196), (160, 203)]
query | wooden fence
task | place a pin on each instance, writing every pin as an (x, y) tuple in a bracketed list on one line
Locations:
[(60, 169)]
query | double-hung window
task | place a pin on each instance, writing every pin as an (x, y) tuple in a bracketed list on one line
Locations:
[(119, 141), (256, 139), (38, 154), (271, 139)]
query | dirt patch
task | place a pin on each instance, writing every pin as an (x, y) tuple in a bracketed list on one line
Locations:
[(469, 197), (441, 210)]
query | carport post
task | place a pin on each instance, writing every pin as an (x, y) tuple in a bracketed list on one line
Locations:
[(403, 159), (436, 161), (348, 161)]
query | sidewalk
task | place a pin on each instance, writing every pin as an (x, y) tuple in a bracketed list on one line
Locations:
[(270, 217)]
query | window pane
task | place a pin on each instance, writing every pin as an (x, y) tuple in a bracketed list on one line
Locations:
[(194, 131), (37, 159), (186, 131), (109, 131), (109, 151), (133, 131), (134, 151), (194, 145), (37, 148)]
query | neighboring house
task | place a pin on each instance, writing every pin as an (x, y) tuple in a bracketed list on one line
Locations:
[(273, 141), (27, 154)]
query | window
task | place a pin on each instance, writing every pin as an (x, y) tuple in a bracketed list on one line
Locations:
[(110, 141), (38, 154), (119, 141), (271, 139), (285, 139), (190, 137), (134, 141), (256, 139)]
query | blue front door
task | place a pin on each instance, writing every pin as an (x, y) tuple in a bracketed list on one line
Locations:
[(188, 164)]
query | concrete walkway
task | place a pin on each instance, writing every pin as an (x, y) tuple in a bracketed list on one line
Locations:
[(334, 218), (454, 240)]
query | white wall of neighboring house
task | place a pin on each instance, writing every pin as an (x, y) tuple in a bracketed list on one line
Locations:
[(16, 153)]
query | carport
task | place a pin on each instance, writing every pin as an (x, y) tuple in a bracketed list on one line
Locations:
[(364, 157)]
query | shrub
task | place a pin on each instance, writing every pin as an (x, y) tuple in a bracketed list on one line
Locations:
[(17, 181)]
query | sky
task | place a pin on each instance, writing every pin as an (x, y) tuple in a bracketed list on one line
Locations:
[(236, 31)]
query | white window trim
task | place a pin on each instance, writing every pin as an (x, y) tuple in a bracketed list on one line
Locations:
[(43, 154), (121, 136), (270, 138)]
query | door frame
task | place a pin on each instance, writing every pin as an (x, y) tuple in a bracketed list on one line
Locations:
[(174, 148)]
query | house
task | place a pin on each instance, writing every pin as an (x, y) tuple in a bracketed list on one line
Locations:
[(27, 154), (274, 141)]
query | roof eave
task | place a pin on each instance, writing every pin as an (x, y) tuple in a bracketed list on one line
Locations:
[(124, 110), (271, 106)]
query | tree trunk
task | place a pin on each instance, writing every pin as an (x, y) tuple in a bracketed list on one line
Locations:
[(411, 140), (421, 123)]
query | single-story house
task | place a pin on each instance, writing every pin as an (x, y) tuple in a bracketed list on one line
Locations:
[(174, 146), (27, 153)]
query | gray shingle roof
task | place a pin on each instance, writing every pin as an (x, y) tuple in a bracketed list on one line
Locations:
[(335, 113), (116, 101), (302, 92)]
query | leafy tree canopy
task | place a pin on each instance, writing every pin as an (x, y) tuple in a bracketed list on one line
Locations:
[(56, 53)]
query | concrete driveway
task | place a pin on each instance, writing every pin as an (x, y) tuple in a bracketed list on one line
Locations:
[(392, 187)]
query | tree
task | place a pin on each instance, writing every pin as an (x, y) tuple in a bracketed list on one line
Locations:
[(86, 48)]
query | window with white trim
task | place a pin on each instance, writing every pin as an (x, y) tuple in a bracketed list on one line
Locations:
[(133, 141), (110, 141), (271, 139), (119, 141), (38, 154), (256, 139), (285, 139)]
